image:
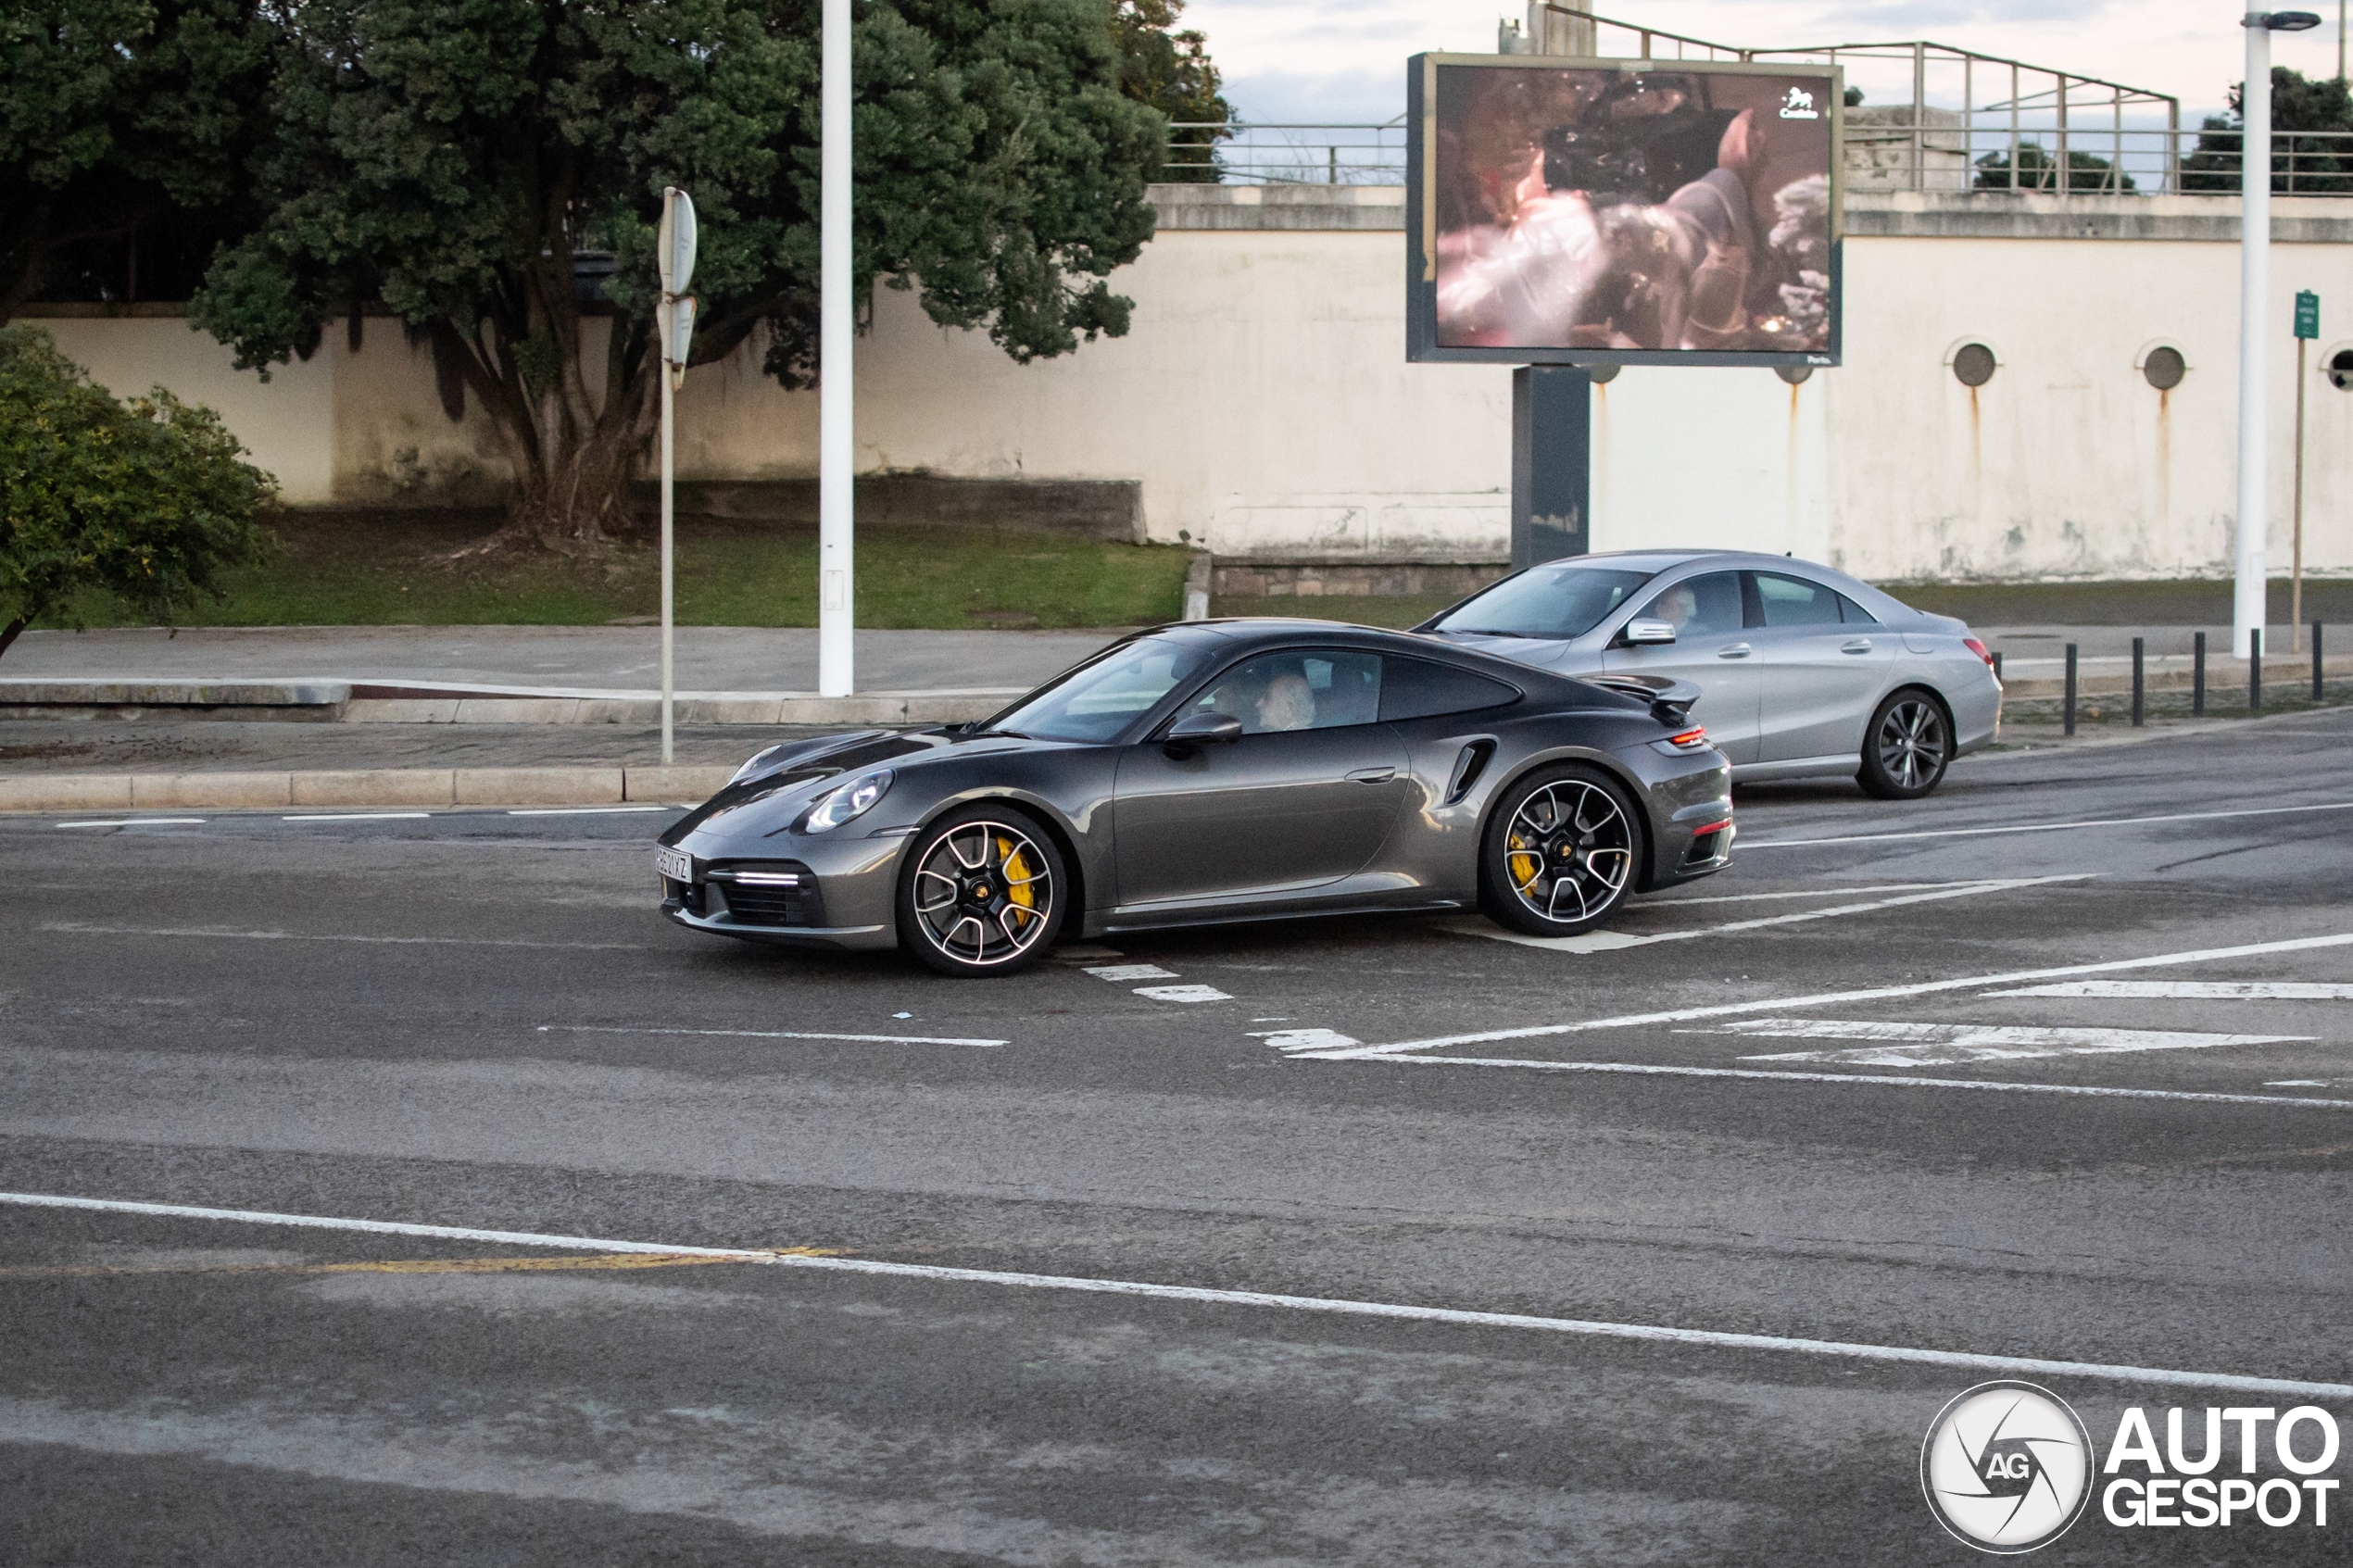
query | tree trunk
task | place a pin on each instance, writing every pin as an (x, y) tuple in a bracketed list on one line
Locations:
[(12, 631)]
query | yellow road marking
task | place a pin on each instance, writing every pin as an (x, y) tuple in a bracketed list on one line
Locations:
[(410, 1265)]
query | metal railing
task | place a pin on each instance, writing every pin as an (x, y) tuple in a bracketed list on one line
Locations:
[(1239, 154)]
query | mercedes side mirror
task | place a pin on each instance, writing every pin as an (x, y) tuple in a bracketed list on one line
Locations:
[(1201, 729), (1639, 633)]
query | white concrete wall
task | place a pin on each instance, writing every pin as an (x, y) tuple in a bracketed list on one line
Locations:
[(1263, 400)]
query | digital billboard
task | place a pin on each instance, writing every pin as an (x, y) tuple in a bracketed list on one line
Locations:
[(1617, 212)]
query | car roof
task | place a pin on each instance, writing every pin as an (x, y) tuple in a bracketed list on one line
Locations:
[(1239, 634)]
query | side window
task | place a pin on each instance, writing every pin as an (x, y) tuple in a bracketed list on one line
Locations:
[(1316, 690), (1703, 607), (1414, 689), (1855, 614), (1792, 601)]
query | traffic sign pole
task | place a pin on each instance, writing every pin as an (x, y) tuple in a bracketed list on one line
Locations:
[(674, 334), (2308, 327), (2254, 266), (836, 446)]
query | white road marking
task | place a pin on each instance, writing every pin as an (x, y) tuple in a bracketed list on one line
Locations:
[(583, 810), (2042, 827), (1649, 1332), (1877, 993), (1654, 1070), (1608, 941), (2297, 1082), (768, 1034), (1183, 993), (362, 817), (1833, 892), (1132, 972), (2194, 990), (1942, 1045), (84, 928), (135, 822), (1302, 1039)]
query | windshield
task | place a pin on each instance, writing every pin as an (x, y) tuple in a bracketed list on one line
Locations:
[(1547, 601), (1096, 701)]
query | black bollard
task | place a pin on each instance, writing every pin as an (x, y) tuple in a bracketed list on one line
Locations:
[(2317, 692), (2071, 688), (2198, 675), (2255, 670), (1997, 664), (2138, 648)]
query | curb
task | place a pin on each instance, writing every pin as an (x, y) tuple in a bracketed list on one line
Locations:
[(389, 703), (364, 788)]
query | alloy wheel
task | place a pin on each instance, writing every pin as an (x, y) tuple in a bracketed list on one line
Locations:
[(1911, 742), (1569, 850), (983, 893)]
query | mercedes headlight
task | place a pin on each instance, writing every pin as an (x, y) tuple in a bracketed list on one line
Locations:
[(846, 801)]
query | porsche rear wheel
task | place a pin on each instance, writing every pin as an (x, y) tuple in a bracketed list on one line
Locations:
[(982, 893), (1560, 852)]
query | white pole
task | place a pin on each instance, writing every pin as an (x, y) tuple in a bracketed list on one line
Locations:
[(2254, 267), (669, 448), (835, 449)]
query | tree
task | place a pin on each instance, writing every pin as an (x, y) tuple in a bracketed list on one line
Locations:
[(2038, 170), (461, 159), (1172, 72), (125, 127), (2301, 164), (150, 501)]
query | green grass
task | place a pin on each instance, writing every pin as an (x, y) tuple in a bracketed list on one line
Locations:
[(392, 569), (2115, 603)]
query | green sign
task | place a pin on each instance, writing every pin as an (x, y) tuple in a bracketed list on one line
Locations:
[(2307, 314)]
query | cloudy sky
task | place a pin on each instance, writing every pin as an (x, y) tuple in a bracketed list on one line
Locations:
[(1343, 60)]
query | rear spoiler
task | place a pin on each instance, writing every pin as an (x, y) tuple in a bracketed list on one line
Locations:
[(1670, 700)]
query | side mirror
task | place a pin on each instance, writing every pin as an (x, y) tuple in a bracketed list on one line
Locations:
[(1201, 729), (1639, 633)]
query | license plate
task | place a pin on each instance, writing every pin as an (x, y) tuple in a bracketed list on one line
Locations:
[(675, 864)]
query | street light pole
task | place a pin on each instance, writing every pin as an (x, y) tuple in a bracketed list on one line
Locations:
[(836, 448), (2255, 278), (2254, 267)]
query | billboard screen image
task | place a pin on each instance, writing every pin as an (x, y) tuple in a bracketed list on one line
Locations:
[(1630, 211)]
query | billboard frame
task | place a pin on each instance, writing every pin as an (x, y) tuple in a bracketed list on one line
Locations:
[(1421, 216)]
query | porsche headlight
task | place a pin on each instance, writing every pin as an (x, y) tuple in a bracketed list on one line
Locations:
[(846, 801)]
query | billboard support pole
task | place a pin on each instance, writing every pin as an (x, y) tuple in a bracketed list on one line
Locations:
[(1552, 463)]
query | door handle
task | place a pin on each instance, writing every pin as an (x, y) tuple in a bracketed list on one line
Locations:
[(1737, 650), (1860, 645), (1372, 775)]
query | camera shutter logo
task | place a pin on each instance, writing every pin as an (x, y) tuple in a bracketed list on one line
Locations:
[(2007, 1467)]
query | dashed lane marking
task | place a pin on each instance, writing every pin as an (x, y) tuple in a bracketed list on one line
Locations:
[(1302, 1039), (1393, 1311), (1183, 993), (361, 817), (2194, 990), (1122, 972), (1943, 1044), (138, 823), (2042, 827), (1610, 941), (1673, 902), (207, 932), (588, 810), (1824, 999), (768, 1034)]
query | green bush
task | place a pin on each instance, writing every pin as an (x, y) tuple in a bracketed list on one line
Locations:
[(149, 502)]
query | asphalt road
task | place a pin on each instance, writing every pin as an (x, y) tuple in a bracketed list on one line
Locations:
[(1756, 1117)]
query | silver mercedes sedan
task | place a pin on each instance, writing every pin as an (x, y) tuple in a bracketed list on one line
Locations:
[(1805, 671)]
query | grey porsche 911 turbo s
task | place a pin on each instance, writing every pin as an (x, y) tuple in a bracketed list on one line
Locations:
[(1213, 772), (1801, 671)]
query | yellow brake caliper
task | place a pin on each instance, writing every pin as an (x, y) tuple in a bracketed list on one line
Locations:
[(1018, 876), (1524, 866)]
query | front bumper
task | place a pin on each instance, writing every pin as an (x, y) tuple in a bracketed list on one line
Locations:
[(788, 888)]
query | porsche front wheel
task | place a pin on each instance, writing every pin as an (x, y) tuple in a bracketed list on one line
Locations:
[(982, 893), (1559, 853)]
